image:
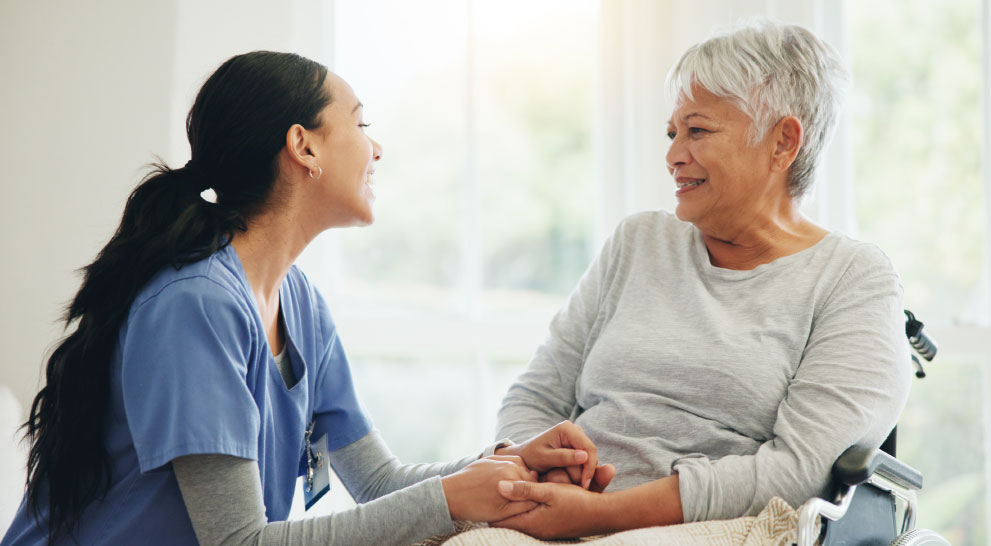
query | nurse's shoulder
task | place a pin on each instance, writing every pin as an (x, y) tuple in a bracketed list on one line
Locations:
[(216, 274)]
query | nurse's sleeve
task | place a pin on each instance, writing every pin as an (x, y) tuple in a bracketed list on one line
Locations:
[(369, 470), (224, 500), (183, 374), (336, 410)]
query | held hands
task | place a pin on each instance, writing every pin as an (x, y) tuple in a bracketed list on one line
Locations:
[(504, 488), (563, 510), (563, 452), (566, 510), (472, 492)]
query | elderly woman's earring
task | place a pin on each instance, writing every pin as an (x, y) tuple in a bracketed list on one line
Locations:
[(319, 172)]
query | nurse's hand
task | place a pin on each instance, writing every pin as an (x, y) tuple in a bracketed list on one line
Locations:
[(563, 446), (472, 492)]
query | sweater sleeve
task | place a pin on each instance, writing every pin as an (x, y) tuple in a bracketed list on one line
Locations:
[(850, 388), (369, 470), (402, 503), (545, 394), (223, 497)]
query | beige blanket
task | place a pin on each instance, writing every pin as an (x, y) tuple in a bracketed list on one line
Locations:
[(776, 525)]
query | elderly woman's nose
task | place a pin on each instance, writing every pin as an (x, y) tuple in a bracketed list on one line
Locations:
[(677, 154)]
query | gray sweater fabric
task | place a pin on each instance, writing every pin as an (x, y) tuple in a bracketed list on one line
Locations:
[(404, 503), (747, 384)]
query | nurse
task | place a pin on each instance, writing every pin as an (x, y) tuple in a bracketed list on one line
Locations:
[(203, 373)]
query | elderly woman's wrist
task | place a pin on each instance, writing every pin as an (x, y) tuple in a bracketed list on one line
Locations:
[(605, 513), (648, 505)]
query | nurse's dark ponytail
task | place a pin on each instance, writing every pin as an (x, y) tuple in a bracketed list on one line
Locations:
[(236, 129)]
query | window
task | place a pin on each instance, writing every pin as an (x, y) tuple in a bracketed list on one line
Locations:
[(484, 212), (918, 147)]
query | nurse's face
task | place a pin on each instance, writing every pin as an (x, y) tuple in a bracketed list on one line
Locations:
[(347, 157)]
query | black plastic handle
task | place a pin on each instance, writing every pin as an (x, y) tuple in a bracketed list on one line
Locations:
[(859, 463)]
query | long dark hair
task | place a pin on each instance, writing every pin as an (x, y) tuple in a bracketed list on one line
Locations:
[(236, 129)]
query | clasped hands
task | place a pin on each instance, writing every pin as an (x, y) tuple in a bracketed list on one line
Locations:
[(549, 486)]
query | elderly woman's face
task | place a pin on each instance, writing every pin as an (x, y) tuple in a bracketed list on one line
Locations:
[(721, 179)]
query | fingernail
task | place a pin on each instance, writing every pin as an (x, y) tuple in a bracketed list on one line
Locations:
[(581, 456), (505, 487), (587, 482)]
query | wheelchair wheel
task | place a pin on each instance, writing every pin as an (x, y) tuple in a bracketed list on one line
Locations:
[(919, 537)]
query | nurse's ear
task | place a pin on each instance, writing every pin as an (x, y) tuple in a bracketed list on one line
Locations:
[(300, 154)]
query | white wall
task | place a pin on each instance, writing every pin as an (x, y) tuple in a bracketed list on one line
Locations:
[(89, 93), (84, 103)]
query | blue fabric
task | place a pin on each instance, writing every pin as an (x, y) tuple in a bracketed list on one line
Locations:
[(193, 373)]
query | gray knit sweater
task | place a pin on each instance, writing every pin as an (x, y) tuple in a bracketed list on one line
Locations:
[(403, 503), (748, 384)]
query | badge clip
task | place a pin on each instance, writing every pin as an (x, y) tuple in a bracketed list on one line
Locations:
[(317, 481)]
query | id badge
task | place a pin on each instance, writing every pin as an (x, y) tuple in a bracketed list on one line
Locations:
[(316, 483)]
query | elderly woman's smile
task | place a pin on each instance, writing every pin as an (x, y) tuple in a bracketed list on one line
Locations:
[(687, 184)]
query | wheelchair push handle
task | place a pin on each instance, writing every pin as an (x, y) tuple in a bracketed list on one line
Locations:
[(923, 345)]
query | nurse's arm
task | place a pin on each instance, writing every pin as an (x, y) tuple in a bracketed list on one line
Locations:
[(369, 469), (224, 500)]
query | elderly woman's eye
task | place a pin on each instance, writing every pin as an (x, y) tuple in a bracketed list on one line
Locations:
[(697, 130), (672, 134)]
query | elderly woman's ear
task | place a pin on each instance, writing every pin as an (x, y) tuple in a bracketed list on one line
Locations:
[(788, 135)]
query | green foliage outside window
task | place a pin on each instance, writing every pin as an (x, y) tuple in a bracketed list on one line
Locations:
[(917, 150)]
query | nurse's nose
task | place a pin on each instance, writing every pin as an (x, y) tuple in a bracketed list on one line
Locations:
[(376, 150)]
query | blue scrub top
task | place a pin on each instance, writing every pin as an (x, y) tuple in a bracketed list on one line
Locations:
[(193, 373)]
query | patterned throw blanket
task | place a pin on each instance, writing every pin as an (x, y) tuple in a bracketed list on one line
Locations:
[(776, 525)]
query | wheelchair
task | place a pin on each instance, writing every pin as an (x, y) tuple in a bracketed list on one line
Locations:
[(867, 482)]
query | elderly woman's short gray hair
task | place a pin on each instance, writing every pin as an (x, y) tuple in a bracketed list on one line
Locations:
[(770, 71)]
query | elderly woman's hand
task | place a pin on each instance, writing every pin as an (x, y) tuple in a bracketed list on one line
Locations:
[(564, 510), (563, 446)]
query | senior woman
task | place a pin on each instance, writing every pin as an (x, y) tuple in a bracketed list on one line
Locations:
[(730, 352)]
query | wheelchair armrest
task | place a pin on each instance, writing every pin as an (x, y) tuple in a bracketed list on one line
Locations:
[(857, 464)]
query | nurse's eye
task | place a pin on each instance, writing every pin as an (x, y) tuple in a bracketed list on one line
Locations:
[(364, 125)]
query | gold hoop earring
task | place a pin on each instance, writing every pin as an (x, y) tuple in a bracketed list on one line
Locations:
[(319, 173)]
